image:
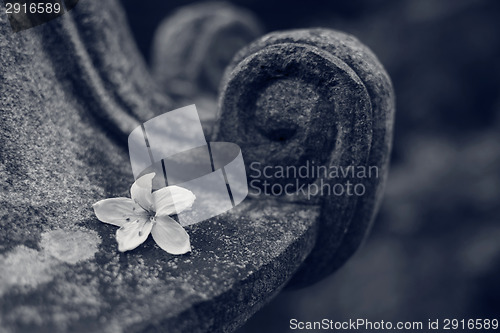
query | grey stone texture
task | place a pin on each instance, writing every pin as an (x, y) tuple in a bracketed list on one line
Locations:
[(314, 96), (70, 92)]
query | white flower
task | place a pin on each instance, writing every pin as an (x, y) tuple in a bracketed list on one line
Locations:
[(148, 212)]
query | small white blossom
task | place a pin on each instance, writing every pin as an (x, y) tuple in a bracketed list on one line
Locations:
[(148, 212)]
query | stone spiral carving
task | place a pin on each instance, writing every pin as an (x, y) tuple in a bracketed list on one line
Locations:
[(72, 89), (313, 96), (192, 47)]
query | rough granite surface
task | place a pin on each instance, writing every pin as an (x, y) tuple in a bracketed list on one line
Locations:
[(70, 91), (315, 96)]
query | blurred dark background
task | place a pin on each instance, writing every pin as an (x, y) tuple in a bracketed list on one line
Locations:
[(434, 251)]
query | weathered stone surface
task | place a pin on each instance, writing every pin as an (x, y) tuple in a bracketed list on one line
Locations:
[(71, 90), (319, 96)]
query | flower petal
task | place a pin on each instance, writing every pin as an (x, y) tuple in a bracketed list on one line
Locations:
[(132, 234), (172, 200), (118, 211), (140, 191), (170, 236)]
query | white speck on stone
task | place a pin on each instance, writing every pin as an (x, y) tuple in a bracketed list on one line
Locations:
[(27, 268), (24, 267), (70, 246)]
